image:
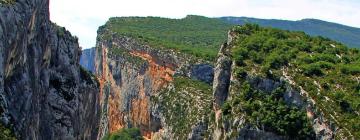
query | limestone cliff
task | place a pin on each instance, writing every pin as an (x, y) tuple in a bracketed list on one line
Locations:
[(237, 80), (44, 93), (87, 59), (134, 78)]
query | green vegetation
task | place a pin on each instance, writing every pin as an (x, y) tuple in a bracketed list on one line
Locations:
[(202, 36), (199, 36), (7, 2), (115, 52), (88, 77), (62, 32), (124, 134), (345, 34), (269, 112), (185, 104), (326, 69), (6, 133)]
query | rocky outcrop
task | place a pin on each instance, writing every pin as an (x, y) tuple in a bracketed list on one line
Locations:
[(87, 59), (44, 92), (226, 85), (132, 74), (222, 77)]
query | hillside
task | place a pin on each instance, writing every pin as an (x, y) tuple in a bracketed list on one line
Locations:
[(196, 35), (202, 36), (341, 33), (279, 73)]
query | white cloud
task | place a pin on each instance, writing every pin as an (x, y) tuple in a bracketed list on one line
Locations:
[(83, 17)]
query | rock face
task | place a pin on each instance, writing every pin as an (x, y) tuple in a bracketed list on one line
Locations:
[(225, 86), (222, 77), (132, 75), (203, 72), (87, 59), (44, 92)]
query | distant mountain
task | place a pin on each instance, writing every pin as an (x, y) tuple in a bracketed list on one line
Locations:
[(87, 59), (350, 36)]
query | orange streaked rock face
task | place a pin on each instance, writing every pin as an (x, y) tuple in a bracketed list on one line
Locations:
[(116, 118), (102, 78), (137, 107), (161, 75)]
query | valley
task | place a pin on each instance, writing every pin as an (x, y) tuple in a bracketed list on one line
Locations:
[(190, 78)]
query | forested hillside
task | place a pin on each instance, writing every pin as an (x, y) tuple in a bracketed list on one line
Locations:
[(202, 36), (324, 71), (345, 34), (197, 35)]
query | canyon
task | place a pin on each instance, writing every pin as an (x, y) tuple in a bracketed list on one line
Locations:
[(191, 78)]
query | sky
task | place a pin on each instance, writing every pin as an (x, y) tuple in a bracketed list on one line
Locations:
[(83, 17)]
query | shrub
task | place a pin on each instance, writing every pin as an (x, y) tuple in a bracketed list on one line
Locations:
[(6, 133), (276, 61), (240, 73), (325, 65), (269, 112), (7, 2), (312, 70), (247, 29), (240, 54), (125, 134), (350, 69), (326, 57)]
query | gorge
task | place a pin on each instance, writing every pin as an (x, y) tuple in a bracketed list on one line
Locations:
[(159, 78)]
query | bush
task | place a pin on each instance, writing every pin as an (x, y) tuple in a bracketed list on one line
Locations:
[(269, 112), (276, 61), (312, 70), (256, 57), (352, 69), (326, 57), (6, 133), (7, 2), (125, 134), (325, 65), (240, 73), (240, 54), (247, 29)]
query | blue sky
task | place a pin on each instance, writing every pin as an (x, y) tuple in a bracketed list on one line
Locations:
[(83, 17)]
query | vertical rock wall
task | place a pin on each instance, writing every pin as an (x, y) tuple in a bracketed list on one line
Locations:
[(44, 92), (130, 73)]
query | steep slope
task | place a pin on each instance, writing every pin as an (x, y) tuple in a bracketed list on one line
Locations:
[(139, 75), (345, 34), (44, 94), (286, 83)]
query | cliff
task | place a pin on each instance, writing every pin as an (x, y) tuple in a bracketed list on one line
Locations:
[(146, 87), (45, 94), (284, 87), (87, 59), (266, 83)]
